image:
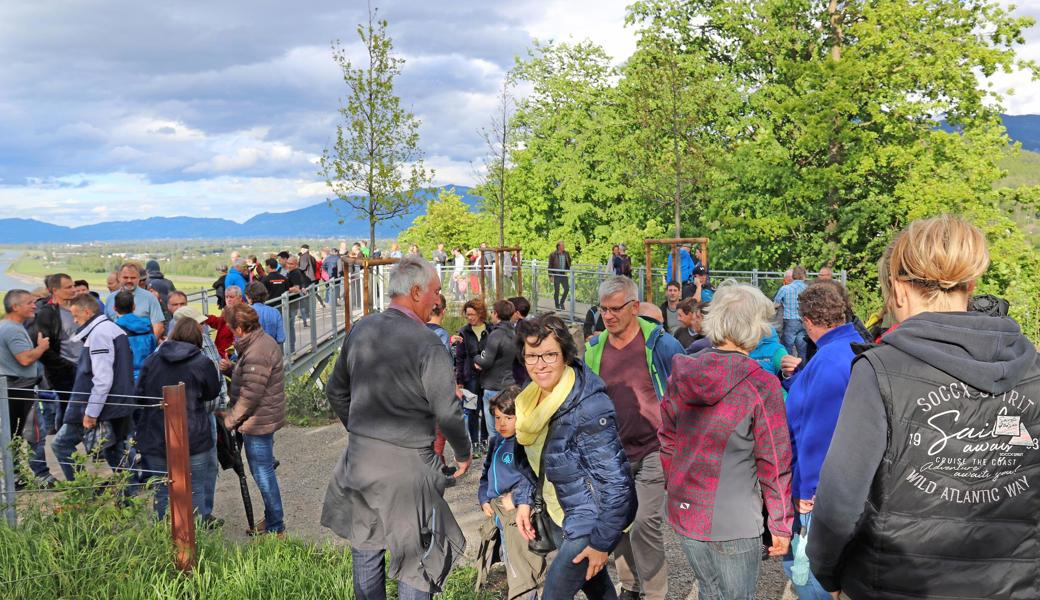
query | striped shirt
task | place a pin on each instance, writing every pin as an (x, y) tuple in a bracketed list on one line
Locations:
[(788, 297)]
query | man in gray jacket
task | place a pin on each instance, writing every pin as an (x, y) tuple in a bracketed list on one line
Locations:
[(393, 382)]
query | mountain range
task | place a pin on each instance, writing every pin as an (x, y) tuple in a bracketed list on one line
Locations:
[(319, 220)]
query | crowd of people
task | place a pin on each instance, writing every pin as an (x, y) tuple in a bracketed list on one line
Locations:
[(893, 462), (884, 462)]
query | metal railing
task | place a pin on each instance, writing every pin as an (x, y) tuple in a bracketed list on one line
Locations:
[(315, 317), (312, 317)]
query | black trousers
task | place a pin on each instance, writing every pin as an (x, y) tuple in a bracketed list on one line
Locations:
[(560, 281), (20, 401)]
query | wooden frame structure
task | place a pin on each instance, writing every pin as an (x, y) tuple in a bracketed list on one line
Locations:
[(676, 267), (499, 252), (366, 265)]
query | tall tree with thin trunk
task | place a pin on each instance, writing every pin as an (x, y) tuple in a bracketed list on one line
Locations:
[(497, 138), (376, 166)]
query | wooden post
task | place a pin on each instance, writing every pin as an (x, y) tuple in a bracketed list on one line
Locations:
[(498, 275), (178, 467), (483, 278), (519, 272), (366, 294)]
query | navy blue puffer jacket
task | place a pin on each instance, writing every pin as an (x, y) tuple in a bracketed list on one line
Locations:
[(584, 460)]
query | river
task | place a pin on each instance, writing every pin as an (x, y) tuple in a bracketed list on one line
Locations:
[(6, 281)]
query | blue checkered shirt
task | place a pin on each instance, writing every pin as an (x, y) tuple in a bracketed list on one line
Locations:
[(788, 296)]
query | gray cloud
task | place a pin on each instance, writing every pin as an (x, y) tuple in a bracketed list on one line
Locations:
[(187, 104)]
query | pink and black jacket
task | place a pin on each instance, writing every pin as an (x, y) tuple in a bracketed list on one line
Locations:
[(725, 448)]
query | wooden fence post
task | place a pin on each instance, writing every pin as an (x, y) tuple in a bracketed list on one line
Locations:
[(178, 467)]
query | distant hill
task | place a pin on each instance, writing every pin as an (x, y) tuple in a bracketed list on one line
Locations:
[(318, 220), (1024, 129)]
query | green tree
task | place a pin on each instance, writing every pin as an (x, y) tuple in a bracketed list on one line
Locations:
[(377, 152), (568, 180), (678, 109), (449, 221), (838, 146), (498, 138)]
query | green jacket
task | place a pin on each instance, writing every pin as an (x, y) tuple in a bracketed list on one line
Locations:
[(660, 348)]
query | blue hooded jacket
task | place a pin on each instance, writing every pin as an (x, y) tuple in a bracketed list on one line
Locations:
[(584, 460), (768, 353), (501, 473), (142, 340), (813, 405)]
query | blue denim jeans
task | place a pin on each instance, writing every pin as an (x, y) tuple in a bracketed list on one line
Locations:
[(45, 414), (209, 484), (564, 578), (725, 570), (794, 337), (260, 453), (812, 590), (200, 471), (69, 436), (369, 568), (489, 418)]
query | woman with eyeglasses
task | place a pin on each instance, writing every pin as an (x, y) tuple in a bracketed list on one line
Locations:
[(567, 426)]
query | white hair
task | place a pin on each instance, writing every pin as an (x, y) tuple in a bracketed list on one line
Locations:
[(618, 285), (738, 313), (233, 290), (411, 271)]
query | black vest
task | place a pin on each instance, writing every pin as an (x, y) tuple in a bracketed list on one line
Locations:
[(954, 508)]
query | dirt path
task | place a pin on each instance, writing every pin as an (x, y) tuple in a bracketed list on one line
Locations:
[(308, 456)]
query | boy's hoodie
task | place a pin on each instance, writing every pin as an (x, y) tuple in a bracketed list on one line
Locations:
[(142, 340), (500, 473)]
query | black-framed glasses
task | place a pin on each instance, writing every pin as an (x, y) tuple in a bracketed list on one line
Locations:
[(615, 310), (548, 358)]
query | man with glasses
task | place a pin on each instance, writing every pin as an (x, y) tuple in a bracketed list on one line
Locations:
[(634, 359)]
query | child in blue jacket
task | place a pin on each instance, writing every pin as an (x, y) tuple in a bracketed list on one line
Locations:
[(525, 570)]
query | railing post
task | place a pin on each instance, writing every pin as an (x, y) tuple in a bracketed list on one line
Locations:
[(6, 450), (754, 277), (642, 288), (290, 329), (534, 284), (844, 277), (178, 467), (205, 302), (572, 287), (348, 314), (332, 305), (312, 307)]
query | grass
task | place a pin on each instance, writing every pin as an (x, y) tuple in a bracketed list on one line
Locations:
[(305, 403), (75, 544)]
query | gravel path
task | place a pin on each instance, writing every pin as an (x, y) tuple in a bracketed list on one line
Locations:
[(308, 456)]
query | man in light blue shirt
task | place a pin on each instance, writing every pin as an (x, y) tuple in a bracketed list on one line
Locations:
[(146, 305), (794, 332), (270, 317)]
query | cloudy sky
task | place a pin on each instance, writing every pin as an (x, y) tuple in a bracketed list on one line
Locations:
[(118, 110)]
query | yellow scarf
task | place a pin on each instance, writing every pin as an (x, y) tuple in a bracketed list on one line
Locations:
[(532, 426)]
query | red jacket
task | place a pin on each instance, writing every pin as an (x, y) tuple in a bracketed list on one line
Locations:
[(722, 413), (224, 338)]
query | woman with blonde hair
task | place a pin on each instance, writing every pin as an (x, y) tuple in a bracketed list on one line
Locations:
[(928, 489)]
